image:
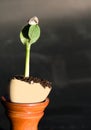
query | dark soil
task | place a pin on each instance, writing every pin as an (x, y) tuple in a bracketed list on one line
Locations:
[(32, 79)]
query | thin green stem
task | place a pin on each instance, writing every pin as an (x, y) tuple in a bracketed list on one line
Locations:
[(27, 60)]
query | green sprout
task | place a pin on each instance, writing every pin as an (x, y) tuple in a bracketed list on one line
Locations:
[(29, 35)]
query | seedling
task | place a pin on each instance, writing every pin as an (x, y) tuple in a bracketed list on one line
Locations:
[(29, 35)]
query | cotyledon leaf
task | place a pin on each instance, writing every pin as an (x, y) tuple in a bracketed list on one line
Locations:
[(34, 33)]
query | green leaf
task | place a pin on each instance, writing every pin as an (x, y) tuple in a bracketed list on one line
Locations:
[(23, 39), (34, 33), (24, 34)]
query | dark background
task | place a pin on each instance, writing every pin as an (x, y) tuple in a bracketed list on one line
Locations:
[(62, 55)]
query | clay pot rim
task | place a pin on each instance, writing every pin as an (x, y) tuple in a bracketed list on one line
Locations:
[(4, 100)]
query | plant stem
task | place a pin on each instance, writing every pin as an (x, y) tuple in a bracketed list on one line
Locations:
[(27, 60)]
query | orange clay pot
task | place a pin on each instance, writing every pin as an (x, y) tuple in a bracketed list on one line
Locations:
[(25, 116)]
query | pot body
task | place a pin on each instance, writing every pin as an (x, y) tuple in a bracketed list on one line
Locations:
[(25, 116)]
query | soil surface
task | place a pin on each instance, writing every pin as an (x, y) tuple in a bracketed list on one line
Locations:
[(31, 79)]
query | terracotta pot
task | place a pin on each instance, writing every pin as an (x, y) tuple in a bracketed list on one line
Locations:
[(25, 116)]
